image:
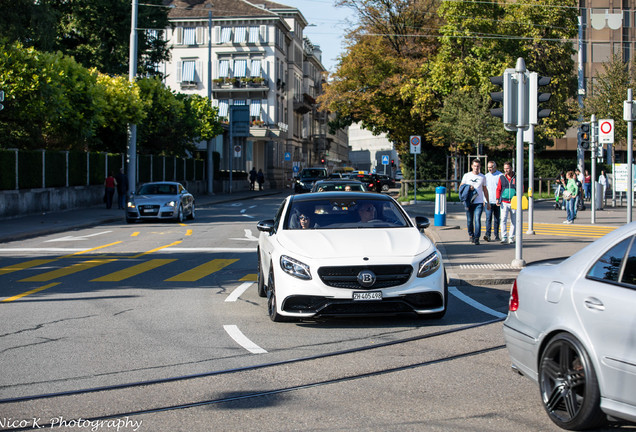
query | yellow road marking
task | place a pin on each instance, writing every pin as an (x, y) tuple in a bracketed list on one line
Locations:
[(249, 278), (65, 271), (202, 271), (133, 271), (156, 249), (182, 224), (189, 232), (25, 265), (33, 291), (90, 250), (135, 234)]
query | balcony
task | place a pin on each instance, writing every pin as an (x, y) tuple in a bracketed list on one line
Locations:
[(254, 84), (304, 105)]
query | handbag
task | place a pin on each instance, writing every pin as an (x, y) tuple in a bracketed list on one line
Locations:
[(567, 195)]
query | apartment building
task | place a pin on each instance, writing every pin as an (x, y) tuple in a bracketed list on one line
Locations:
[(608, 27), (254, 54)]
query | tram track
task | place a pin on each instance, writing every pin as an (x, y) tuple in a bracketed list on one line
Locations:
[(153, 396)]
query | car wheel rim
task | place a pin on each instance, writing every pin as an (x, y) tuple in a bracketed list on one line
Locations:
[(271, 296), (563, 381)]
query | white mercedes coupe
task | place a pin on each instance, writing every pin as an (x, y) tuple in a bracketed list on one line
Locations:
[(348, 254)]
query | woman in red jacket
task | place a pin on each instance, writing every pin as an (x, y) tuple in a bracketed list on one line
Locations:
[(109, 185)]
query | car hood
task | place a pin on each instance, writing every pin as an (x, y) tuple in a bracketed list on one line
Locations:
[(154, 198), (341, 243)]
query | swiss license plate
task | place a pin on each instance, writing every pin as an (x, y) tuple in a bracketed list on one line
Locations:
[(367, 295), (148, 210)]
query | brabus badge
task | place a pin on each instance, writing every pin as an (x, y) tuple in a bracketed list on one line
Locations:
[(366, 278)]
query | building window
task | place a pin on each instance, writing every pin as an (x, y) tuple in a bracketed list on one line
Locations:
[(601, 52), (224, 68), (189, 36), (254, 34), (255, 68), (240, 68), (223, 107), (627, 22), (255, 109), (188, 71), (239, 34), (226, 34)]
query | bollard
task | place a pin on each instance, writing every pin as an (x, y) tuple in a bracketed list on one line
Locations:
[(440, 206)]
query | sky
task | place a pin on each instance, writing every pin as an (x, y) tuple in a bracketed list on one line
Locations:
[(328, 24)]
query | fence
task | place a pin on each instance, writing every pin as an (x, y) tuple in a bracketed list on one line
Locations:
[(33, 169)]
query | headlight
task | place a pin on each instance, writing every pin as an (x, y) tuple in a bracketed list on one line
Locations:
[(295, 268), (429, 265), (131, 204), (170, 204)]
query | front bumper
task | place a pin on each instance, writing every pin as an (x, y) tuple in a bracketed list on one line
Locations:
[(151, 212)]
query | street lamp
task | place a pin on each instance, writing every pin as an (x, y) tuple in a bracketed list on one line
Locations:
[(132, 128)]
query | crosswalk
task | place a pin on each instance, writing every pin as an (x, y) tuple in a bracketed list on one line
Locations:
[(563, 230)]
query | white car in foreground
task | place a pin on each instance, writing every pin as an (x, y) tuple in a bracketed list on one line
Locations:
[(571, 328), (347, 254)]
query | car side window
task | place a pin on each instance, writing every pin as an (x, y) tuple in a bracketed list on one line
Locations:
[(629, 270), (278, 216), (608, 267)]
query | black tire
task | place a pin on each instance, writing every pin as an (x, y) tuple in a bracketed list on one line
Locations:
[(260, 280), (385, 188), (179, 217), (192, 213), (271, 300), (568, 385)]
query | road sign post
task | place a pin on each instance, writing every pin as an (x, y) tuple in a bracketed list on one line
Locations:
[(416, 148)]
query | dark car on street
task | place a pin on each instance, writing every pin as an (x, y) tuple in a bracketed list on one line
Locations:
[(307, 177)]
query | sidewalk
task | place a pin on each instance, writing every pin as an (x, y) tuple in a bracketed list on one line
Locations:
[(466, 264)]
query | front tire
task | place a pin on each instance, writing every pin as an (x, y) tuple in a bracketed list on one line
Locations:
[(179, 218), (192, 213), (260, 281), (568, 384), (440, 315), (272, 307)]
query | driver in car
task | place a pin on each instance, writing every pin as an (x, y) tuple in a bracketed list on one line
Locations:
[(366, 212)]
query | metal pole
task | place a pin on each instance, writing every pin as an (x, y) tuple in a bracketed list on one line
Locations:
[(210, 157), (630, 158), (522, 107), (593, 162), (132, 128), (530, 179), (415, 177)]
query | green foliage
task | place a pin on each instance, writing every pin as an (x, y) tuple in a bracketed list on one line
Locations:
[(30, 164), (7, 169), (55, 169), (77, 168), (144, 168), (97, 171)]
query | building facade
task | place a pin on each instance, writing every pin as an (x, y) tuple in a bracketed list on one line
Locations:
[(254, 54)]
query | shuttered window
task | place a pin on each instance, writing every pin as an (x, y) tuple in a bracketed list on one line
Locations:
[(254, 34), (224, 68), (226, 34), (189, 36), (223, 107), (239, 34), (240, 68), (255, 68), (188, 71)]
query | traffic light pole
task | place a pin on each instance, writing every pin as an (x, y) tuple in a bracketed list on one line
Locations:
[(593, 162), (522, 107), (630, 158)]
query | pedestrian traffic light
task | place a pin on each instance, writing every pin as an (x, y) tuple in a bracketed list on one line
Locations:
[(322, 160), (584, 136), (536, 97), (508, 98)]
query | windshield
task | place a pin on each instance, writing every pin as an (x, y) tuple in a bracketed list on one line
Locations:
[(344, 213), (349, 187), (313, 173), (157, 189)]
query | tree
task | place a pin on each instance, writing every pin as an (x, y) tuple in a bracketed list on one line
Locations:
[(605, 95)]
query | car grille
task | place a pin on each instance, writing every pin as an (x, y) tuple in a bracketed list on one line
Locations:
[(394, 305), (148, 210), (347, 277)]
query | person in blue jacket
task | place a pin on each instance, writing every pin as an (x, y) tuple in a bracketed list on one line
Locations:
[(475, 194)]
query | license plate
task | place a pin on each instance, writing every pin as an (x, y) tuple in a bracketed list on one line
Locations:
[(367, 295), (146, 210)]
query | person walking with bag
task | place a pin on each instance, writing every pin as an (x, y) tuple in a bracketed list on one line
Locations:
[(506, 190), (475, 184), (492, 180)]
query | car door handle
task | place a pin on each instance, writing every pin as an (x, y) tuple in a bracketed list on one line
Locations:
[(594, 304)]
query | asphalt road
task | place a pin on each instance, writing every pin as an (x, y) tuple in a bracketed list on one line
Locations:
[(158, 327)]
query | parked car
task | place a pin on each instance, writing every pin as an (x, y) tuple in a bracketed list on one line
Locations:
[(342, 185), (371, 181), (307, 177), (348, 253), (160, 200), (571, 328)]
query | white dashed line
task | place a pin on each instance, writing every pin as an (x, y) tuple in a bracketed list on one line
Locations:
[(242, 340), (238, 291)]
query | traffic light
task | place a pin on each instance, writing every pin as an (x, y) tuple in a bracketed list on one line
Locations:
[(322, 160), (584, 136), (392, 162), (536, 97), (508, 98)]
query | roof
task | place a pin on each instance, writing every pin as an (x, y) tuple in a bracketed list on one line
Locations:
[(224, 8), (340, 196)]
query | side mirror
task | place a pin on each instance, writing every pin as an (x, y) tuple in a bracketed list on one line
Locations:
[(422, 222), (266, 225)]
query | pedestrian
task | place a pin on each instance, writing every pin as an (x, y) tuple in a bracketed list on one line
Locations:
[(109, 189), (476, 194), (587, 185), (492, 180), (570, 195), (260, 178), (561, 181), (252, 178), (579, 204), (506, 190), (602, 179), (122, 188)]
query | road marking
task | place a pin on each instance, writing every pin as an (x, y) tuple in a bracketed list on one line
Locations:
[(25, 265), (242, 340), (33, 291), (135, 234), (209, 249), (75, 238), (135, 270), (238, 291), (189, 232), (156, 249), (252, 277), (463, 297), (248, 236), (65, 271), (202, 271)]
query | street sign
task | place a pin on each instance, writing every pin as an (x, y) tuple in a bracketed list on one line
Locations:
[(287, 156), (606, 131), (237, 151), (385, 160), (416, 142)]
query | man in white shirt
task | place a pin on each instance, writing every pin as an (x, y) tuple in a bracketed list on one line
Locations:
[(477, 183), (492, 180)]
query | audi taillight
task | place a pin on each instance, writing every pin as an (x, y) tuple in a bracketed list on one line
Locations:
[(513, 305)]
